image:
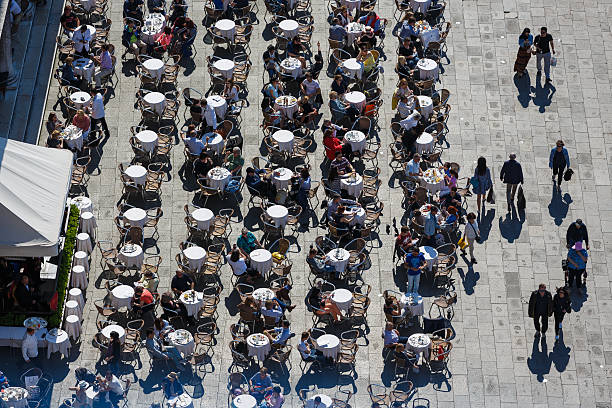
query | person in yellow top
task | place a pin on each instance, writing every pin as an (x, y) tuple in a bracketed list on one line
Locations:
[(367, 59)]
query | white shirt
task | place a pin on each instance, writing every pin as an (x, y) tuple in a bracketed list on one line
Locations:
[(469, 231), (97, 107), (29, 347), (194, 145), (210, 116), (115, 386), (405, 109), (239, 267), (232, 94), (81, 40), (409, 122), (310, 87)]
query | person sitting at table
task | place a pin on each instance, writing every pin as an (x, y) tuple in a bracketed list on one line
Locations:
[(113, 352), (413, 169), (69, 20), (181, 282), (80, 399), (172, 386), (341, 163), (203, 165), (249, 310), (336, 106), (367, 39), (366, 57), (111, 388), (271, 61), (391, 307), (238, 263), (392, 337), (339, 86), (334, 184), (337, 130), (374, 22), (158, 351), (260, 384), (295, 49), (403, 69), (319, 265), (67, 73), (307, 350), (195, 110), (257, 181), (274, 89), (336, 31), (161, 328), (272, 310), (279, 335), (306, 111), (230, 91), (341, 220), (406, 108), (81, 40), (142, 297), (178, 11), (156, 6), (323, 303), (193, 140), (408, 51), (104, 64), (409, 30), (133, 9), (403, 241), (131, 40), (82, 121), (453, 198), (26, 295), (172, 307), (53, 123), (55, 141), (310, 87), (409, 358), (247, 242), (344, 16), (161, 44), (234, 161)]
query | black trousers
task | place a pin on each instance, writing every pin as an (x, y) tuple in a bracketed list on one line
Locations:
[(536, 322), (574, 274), (558, 170), (102, 121), (558, 320)]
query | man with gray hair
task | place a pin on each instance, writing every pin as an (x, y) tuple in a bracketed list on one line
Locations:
[(511, 175)]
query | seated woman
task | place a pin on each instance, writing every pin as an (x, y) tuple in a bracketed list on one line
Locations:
[(149, 281), (342, 221), (403, 69), (367, 59), (53, 123), (318, 265), (238, 262), (172, 307), (333, 145), (82, 121), (230, 91), (162, 328), (403, 242), (54, 140), (392, 307), (249, 309), (324, 303), (172, 386), (162, 42), (392, 337)]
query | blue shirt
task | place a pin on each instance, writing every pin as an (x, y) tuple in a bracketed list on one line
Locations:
[(408, 31), (430, 224), (412, 167), (414, 263), (526, 42), (246, 244), (261, 384), (218, 4), (335, 105), (283, 335), (574, 256)]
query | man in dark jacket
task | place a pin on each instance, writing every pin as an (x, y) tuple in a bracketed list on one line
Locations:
[(576, 232), (511, 175), (540, 307)]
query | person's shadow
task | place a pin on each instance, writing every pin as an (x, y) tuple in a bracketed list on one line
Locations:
[(560, 354), (511, 226), (469, 278), (559, 206), (523, 86), (539, 362), (542, 98), (485, 224)]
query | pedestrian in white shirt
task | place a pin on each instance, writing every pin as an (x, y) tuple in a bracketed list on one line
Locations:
[(81, 40), (209, 114), (471, 233), (29, 345), (97, 113)]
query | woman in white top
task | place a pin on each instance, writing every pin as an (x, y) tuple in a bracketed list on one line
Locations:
[(237, 261), (230, 92), (471, 233)]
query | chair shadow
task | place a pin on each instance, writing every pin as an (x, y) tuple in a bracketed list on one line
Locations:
[(542, 98), (559, 206), (539, 362), (510, 227), (523, 86)]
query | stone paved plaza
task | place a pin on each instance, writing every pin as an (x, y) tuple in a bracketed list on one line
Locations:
[(495, 360)]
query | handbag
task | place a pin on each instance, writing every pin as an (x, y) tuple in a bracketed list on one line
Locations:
[(491, 196), (568, 174), (462, 243), (521, 203)]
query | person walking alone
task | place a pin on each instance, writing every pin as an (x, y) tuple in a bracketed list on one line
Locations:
[(577, 258), (558, 160), (98, 114), (544, 44), (471, 234), (540, 308), (511, 175), (483, 175), (561, 305)]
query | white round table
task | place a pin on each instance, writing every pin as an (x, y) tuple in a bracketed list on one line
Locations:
[(122, 296), (428, 35), (183, 341), (219, 104), (193, 301), (285, 139), (155, 67), (428, 68), (425, 143), (352, 5), (106, 332), (81, 258), (17, 397), (244, 401), (263, 294), (72, 326), (84, 242), (420, 5), (76, 294), (258, 345), (219, 177), (352, 68), (357, 140), (339, 258), (426, 105), (419, 343), (414, 303), (79, 277), (287, 104), (71, 307), (153, 27), (226, 28), (58, 342), (148, 140), (434, 180), (137, 173), (80, 99), (180, 401), (136, 217), (430, 254), (355, 98), (203, 216), (157, 102), (225, 67), (326, 402), (353, 185), (353, 31), (281, 178), (215, 142), (358, 214), (131, 256), (261, 260), (196, 256), (279, 214), (343, 298), (292, 66), (83, 67), (73, 137), (83, 203), (329, 345), (88, 223), (289, 27)]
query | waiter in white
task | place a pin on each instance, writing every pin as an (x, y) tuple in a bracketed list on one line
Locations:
[(81, 39), (29, 345)]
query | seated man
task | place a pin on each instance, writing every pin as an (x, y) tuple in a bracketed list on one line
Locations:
[(131, 40), (234, 161), (451, 199), (105, 65), (132, 9), (307, 350), (374, 22), (258, 182), (336, 31), (273, 310), (159, 351), (295, 49), (193, 140), (156, 6), (279, 336), (310, 87), (409, 52), (336, 106), (413, 169), (260, 384), (320, 266), (306, 110), (203, 165), (111, 388), (392, 337), (342, 164), (411, 121), (181, 282), (405, 108), (247, 242)]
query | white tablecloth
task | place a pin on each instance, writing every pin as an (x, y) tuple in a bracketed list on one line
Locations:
[(352, 68), (192, 303), (292, 66), (76, 294), (72, 326), (289, 27), (84, 242), (219, 104), (352, 185), (225, 67), (71, 307), (326, 402), (153, 27), (259, 350), (287, 104), (148, 140), (16, 401), (428, 68), (226, 28), (73, 138), (79, 278), (81, 258), (196, 256), (416, 308), (419, 343), (88, 223), (183, 341), (136, 217), (430, 255), (261, 260), (355, 98), (219, 177), (122, 296), (429, 35), (83, 67), (137, 173), (339, 258), (281, 178), (329, 345), (80, 99), (426, 104), (357, 139), (263, 294), (352, 5), (59, 342), (203, 217), (358, 215), (83, 203), (285, 140), (420, 5), (434, 180), (343, 298), (155, 67), (425, 143), (156, 100), (180, 401), (106, 332), (353, 31), (244, 401), (279, 214), (132, 259)]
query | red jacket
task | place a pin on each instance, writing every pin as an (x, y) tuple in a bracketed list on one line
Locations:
[(332, 145)]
